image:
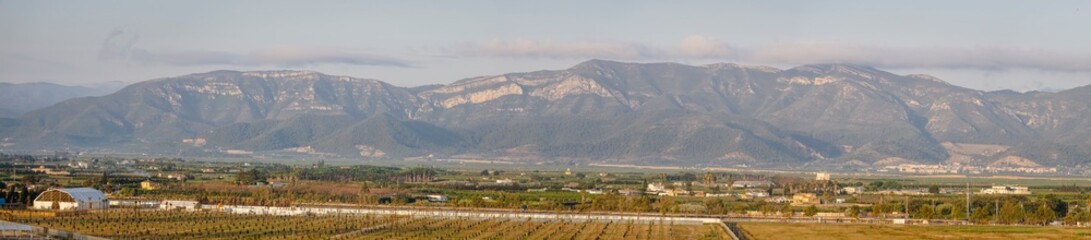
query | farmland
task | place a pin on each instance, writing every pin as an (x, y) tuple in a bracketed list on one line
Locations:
[(155, 224), (860, 231)]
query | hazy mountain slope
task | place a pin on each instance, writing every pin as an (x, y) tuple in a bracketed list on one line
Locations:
[(19, 98), (604, 111)]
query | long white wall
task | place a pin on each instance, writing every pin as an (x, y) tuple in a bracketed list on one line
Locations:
[(459, 214)]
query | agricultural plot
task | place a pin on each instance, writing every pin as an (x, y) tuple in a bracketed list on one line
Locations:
[(153, 224), (795, 231)]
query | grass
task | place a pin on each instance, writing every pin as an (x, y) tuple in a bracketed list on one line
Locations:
[(861, 231)]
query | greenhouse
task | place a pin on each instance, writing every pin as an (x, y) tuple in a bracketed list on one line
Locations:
[(71, 199)]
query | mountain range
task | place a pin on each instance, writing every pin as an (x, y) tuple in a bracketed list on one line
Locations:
[(19, 98), (826, 115)]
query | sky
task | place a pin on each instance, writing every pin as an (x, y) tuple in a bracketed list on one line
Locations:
[(986, 45)]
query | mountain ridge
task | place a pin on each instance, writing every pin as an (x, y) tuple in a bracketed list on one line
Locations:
[(664, 113)]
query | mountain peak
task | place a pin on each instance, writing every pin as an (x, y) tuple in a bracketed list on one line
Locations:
[(830, 68), (927, 77), (597, 64)]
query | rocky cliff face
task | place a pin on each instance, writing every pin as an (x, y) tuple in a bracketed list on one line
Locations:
[(661, 113)]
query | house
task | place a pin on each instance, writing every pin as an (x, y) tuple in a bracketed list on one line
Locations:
[(822, 176), (149, 185), (778, 199), (438, 198), (674, 192), (71, 199), (755, 193), (175, 204), (656, 187), (48, 171), (174, 176), (805, 199), (1006, 190), (853, 190), (718, 194), (753, 184)]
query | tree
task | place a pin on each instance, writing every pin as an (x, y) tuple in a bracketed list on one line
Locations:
[(709, 178), (958, 211), (250, 177), (1044, 215), (786, 210), (1077, 216), (926, 212), (810, 211), (853, 212), (1059, 207), (933, 189), (982, 214), (1010, 213)]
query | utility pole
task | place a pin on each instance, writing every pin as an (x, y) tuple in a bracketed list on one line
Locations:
[(996, 215), (968, 200), (933, 208), (907, 209)]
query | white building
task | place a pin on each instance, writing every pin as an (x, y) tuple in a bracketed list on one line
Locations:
[(755, 194), (853, 190), (753, 184), (656, 187), (71, 199), (173, 204), (1006, 190), (438, 198), (822, 176)]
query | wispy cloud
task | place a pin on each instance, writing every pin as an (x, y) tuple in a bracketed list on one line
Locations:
[(266, 57), (121, 45), (981, 58), (692, 47), (698, 47), (548, 49)]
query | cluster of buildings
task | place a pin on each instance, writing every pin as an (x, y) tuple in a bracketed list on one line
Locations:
[(957, 168), (923, 168), (1036, 170), (1005, 189)]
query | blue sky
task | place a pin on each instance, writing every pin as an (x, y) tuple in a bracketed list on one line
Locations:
[(988, 45)]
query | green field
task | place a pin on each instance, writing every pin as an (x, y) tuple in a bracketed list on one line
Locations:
[(860, 231)]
